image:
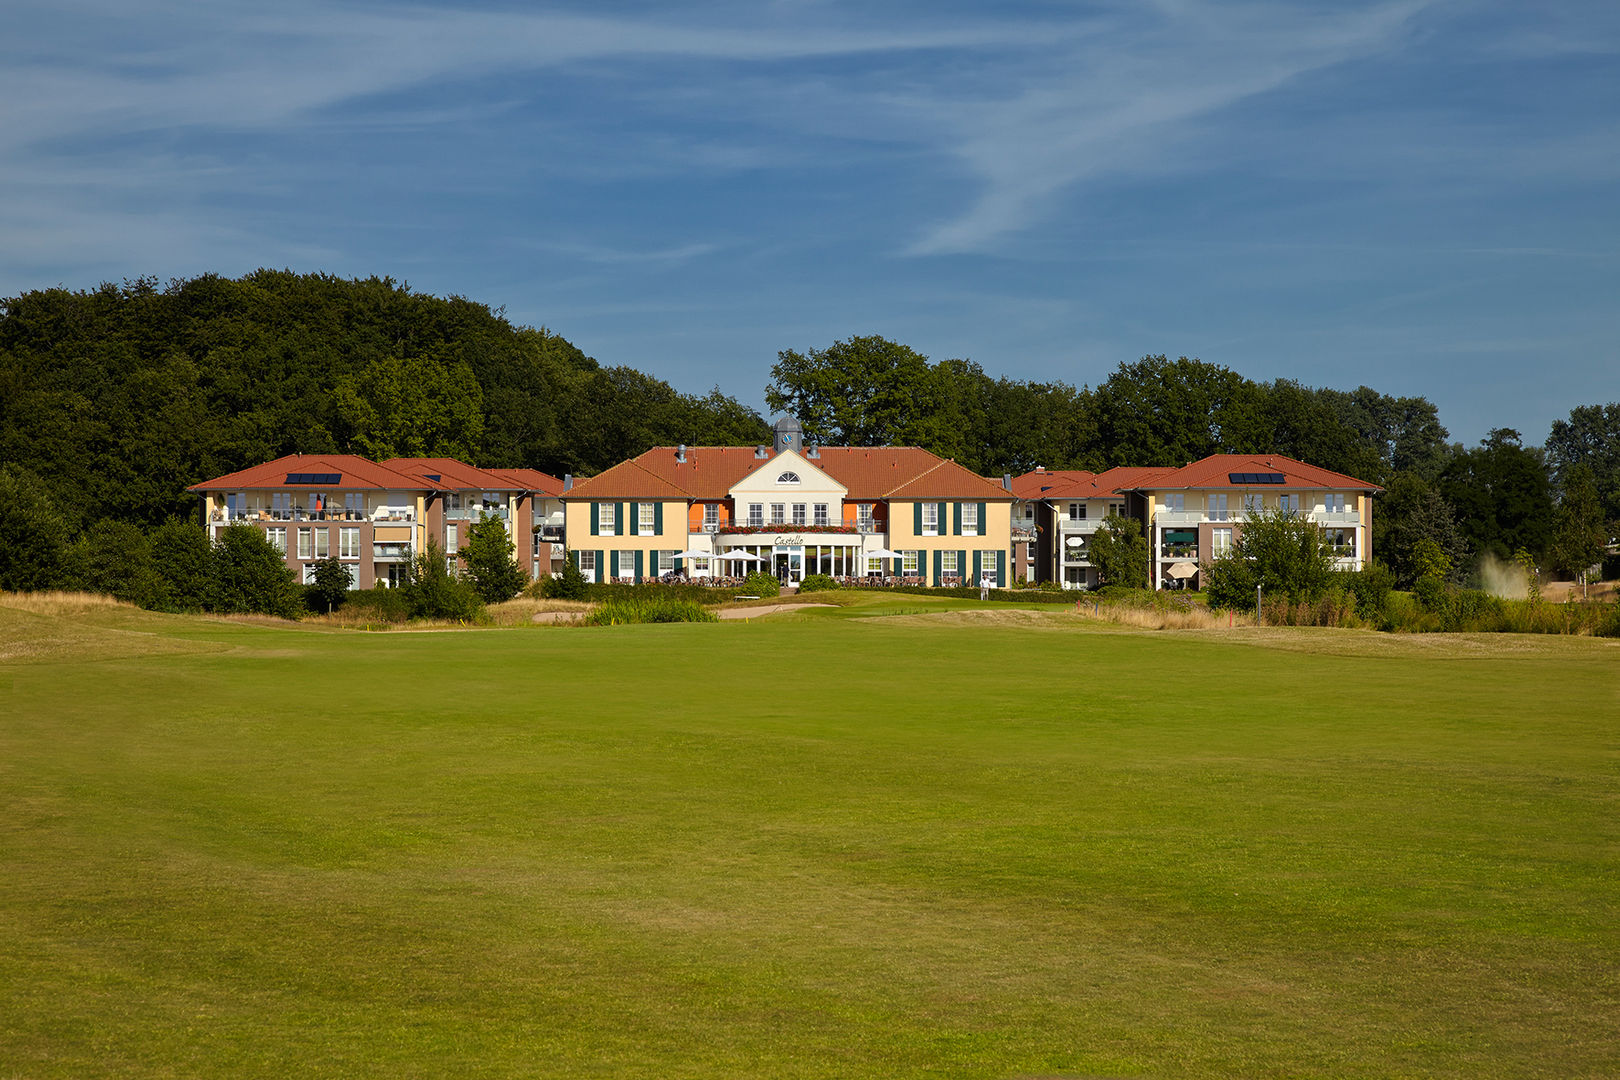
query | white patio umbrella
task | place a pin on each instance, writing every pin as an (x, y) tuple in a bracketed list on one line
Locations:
[(1075, 541), (883, 553), (741, 555)]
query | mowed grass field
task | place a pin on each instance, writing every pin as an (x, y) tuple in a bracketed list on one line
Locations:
[(858, 842)]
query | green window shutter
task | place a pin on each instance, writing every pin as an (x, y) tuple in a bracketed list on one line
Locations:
[(641, 566), (972, 574), (939, 568), (1001, 570), (621, 519), (956, 519), (899, 567), (962, 569), (658, 518), (596, 510), (984, 529), (944, 521), (574, 557), (678, 565), (611, 570), (916, 519), (601, 557)]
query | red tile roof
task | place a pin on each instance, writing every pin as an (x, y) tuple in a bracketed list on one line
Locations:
[(454, 475), (710, 472), (1039, 482), (1213, 472), (357, 473), (1078, 484)]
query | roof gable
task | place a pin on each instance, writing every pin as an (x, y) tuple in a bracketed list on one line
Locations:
[(1217, 470), (764, 478), (353, 473)]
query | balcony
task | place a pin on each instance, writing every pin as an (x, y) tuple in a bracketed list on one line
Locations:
[(474, 513), (390, 552), (551, 533), (1336, 517), (1188, 517), (1179, 552), (301, 513)]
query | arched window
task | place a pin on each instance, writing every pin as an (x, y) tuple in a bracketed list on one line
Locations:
[(788, 478)]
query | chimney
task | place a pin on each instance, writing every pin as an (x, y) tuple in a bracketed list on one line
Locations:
[(762, 452), (680, 453), (1006, 481), (814, 451), (568, 481), (1040, 468)]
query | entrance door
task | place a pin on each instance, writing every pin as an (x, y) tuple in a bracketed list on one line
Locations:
[(780, 567)]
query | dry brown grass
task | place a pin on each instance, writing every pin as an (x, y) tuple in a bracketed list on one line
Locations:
[(1196, 618), (51, 627), (56, 602)]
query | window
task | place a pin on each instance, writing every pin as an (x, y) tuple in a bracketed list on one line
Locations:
[(1077, 511), (970, 519), (874, 564), (798, 514), (756, 514), (627, 564), (587, 564), (281, 505), (908, 561), (354, 504), (1220, 541), (947, 562), (323, 543), (987, 564), (277, 538), (1341, 541), (1288, 503), (605, 515), (235, 504), (306, 543), (494, 504), (1116, 509), (1253, 502), (309, 573), (646, 517), (1175, 502), (1217, 506), (778, 513), (1334, 502), (821, 513), (788, 478), (1029, 512), (863, 517), (349, 543), (666, 562), (452, 542), (711, 517), (930, 519)]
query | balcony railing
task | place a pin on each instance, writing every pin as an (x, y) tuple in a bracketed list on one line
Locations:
[(301, 513), (474, 513), (390, 552), (1179, 551)]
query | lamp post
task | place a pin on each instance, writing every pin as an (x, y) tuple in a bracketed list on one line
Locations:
[(1259, 612)]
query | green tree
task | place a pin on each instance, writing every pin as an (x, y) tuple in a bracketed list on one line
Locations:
[(866, 391), (1281, 551), (1502, 495), (1590, 437), (250, 576), (1159, 411), (115, 558), (1119, 551), (1430, 560), (1410, 512), (1579, 532), (33, 534), (332, 583), (433, 592), (183, 560), (491, 562)]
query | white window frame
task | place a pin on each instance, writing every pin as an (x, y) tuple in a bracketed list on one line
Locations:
[(1288, 501), (799, 515), (587, 564), (323, 543), (1253, 502), (778, 513), (948, 563), (607, 515), (788, 478), (987, 563), (711, 515), (1215, 503), (349, 542), (863, 516), (666, 562), (452, 538), (278, 538), (909, 561), (970, 519), (646, 518), (930, 519), (306, 543), (1333, 502), (756, 514), (874, 564), (627, 564), (1220, 540), (821, 517), (1077, 511), (1175, 501)]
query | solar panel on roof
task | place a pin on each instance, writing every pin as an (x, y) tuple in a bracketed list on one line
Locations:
[(435, 477), (1257, 478), (314, 478)]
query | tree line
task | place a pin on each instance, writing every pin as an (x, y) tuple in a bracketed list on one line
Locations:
[(114, 400)]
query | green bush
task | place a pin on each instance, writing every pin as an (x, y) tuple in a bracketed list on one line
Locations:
[(1369, 588), (570, 584), (1430, 593), (379, 603), (818, 583), (760, 583), (251, 576), (640, 610), (433, 592), (698, 594)]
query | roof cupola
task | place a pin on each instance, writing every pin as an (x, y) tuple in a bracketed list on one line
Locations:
[(789, 435)]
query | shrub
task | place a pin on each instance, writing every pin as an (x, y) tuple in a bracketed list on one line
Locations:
[(183, 559), (251, 576), (331, 585), (495, 573), (760, 583), (639, 610), (33, 534), (433, 592), (570, 584), (1369, 587), (818, 583), (1430, 593), (378, 603)]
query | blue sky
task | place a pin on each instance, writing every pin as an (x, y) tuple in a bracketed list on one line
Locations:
[(1418, 196)]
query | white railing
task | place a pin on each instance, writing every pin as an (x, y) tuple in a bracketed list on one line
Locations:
[(1336, 517)]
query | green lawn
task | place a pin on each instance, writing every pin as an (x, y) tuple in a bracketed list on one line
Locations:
[(821, 844)]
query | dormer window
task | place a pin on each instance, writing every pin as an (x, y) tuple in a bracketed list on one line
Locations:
[(788, 478)]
